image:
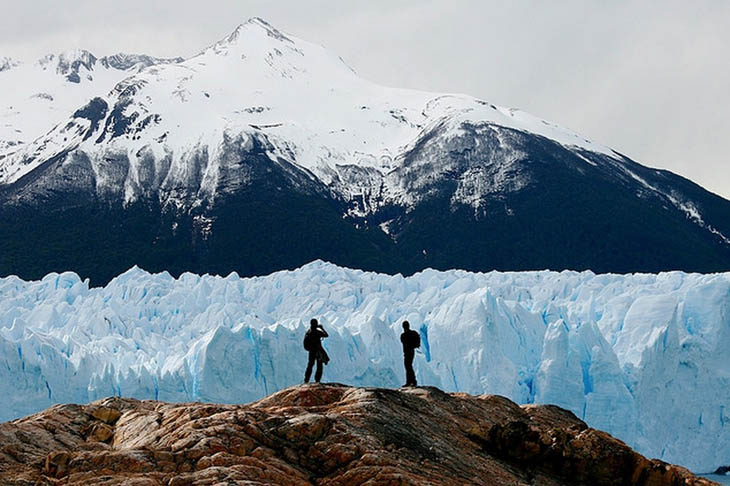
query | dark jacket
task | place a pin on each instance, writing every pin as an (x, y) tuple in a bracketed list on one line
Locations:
[(314, 339), (410, 340)]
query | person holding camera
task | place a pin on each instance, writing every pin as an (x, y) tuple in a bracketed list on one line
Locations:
[(313, 344)]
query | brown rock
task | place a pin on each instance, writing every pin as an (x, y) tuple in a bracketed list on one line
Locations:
[(106, 414), (57, 464), (325, 435), (101, 432), (241, 446)]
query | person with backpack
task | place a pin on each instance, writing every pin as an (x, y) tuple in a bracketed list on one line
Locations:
[(313, 344), (410, 340)]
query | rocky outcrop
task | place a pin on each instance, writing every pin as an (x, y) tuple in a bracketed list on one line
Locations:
[(322, 435)]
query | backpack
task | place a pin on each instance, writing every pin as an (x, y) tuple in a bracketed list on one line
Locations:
[(309, 341), (414, 339)]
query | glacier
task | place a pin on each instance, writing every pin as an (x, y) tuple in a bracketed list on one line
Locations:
[(643, 356)]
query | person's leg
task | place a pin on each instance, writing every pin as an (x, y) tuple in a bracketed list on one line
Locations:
[(310, 364), (318, 373), (413, 376), (410, 374)]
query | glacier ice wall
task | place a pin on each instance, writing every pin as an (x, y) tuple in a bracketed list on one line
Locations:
[(644, 357)]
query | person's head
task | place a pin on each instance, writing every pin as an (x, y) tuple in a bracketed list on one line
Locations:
[(313, 323), (406, 325)]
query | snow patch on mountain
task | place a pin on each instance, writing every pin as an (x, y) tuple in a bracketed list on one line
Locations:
[(687, 207), (35, 97), (7, 63), (643, 357), (693, 213)]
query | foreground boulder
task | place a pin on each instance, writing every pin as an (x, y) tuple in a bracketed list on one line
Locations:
[(322, 435)]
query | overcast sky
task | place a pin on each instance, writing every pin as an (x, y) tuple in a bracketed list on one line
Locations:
[(649, 79)]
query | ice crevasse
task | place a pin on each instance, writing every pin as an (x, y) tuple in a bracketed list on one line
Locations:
[(644, 357)]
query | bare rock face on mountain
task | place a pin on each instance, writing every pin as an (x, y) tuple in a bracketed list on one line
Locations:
[(323, 435)]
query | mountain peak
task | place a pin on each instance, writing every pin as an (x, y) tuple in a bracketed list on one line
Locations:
[(69, 62), (251, 26), (270, 30), (259, 22), (128, 62), (256, 50)]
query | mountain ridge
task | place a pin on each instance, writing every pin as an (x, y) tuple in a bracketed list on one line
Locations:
[(35, 96)]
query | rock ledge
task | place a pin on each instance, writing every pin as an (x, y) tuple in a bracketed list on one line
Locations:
[(322, 435)]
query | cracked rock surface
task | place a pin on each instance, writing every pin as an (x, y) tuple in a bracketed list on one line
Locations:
[(322, 435)]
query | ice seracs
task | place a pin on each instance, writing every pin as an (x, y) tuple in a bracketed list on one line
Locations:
[(642, 356)]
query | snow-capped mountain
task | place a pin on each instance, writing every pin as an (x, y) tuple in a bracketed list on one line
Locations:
[(181, 165), (643, 357), (308, 105), (36, 96)]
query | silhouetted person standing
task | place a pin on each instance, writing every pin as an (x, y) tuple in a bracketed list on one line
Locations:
[(313, 344), (410, 340)]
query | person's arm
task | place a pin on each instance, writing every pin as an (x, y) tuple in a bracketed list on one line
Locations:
[(323, 332)]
